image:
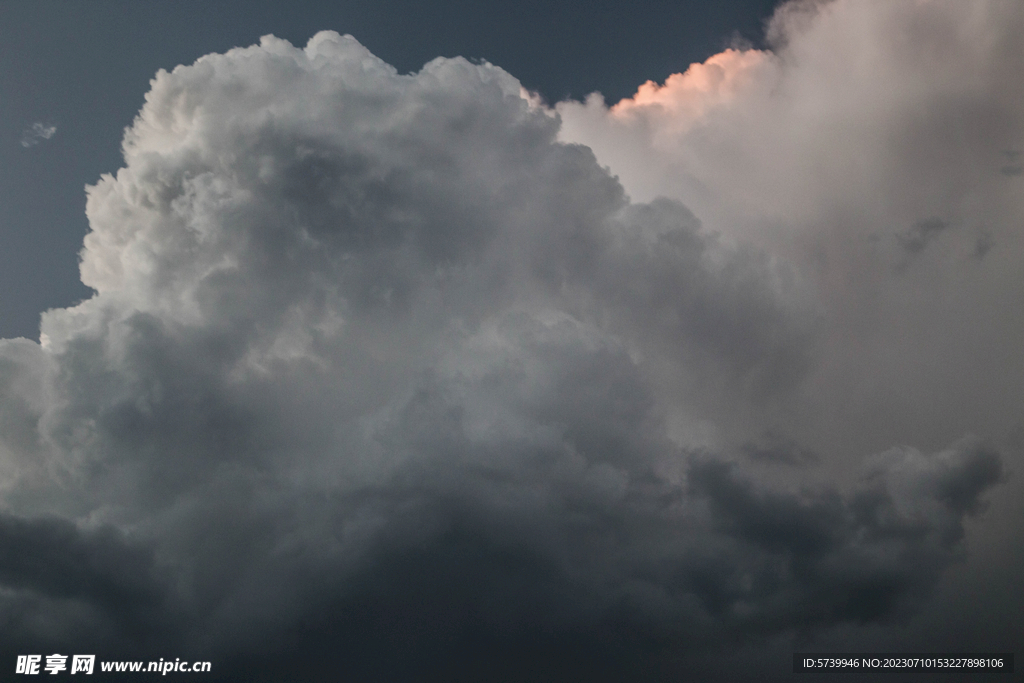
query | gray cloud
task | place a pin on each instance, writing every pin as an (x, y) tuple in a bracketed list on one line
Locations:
[(778, 448), (914, 239), (1013, 167), (982, 245), (36, 133), (851, 559), (71, 587), (815, 149), (382, 378)]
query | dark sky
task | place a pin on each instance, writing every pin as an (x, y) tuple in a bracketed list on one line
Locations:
[(84, 65)]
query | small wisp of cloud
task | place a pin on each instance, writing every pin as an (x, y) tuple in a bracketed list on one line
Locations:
[(36, 132)]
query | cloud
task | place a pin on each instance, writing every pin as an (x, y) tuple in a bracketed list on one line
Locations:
[(87, 586), (873, 137), (872, 150), (36, 133), (381, 377), (916, 238), (1013, 166), (846, 559)]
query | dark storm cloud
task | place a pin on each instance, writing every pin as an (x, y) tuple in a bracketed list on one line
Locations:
[(52, 557), (381, 378), (66, 587), (823, 558)]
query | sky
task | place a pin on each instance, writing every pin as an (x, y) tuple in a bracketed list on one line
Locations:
[(489, 342)]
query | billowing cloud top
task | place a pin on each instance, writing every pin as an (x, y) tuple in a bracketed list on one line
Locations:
[(875, 151), (381, 377)]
